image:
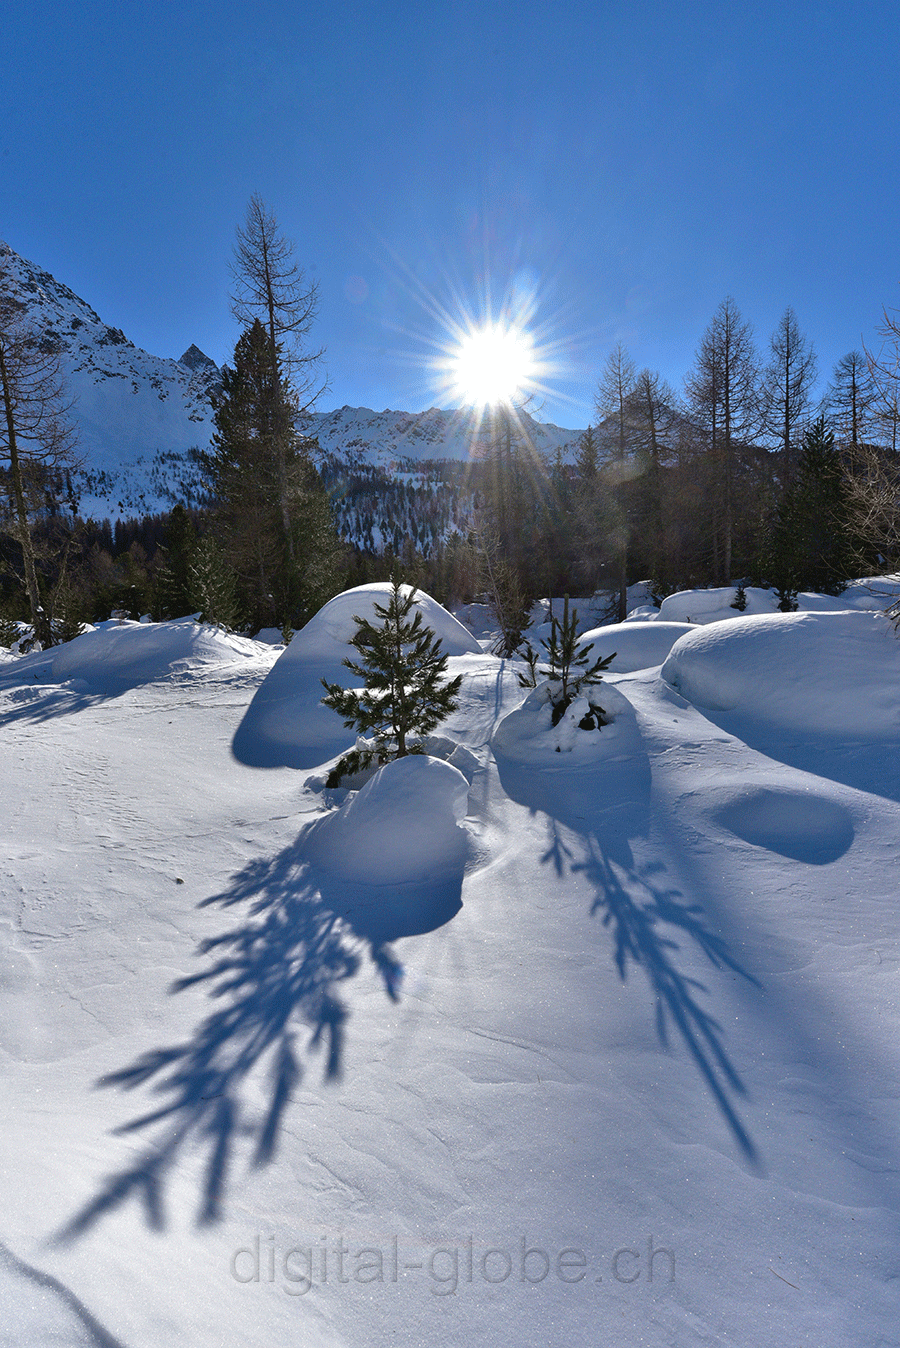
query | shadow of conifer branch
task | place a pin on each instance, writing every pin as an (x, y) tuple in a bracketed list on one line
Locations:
[(638, 941), (276, 978), (599, 811)]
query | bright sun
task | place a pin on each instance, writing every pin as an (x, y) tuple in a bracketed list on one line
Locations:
[(492, 364)]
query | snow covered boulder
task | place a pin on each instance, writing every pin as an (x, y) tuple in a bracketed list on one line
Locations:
[(286, 724), (870, 593), (527, 734), (402, 827), (835, 674), (116, 656), (637, 645)]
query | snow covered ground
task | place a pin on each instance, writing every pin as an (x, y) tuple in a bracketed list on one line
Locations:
[(615, 1061)]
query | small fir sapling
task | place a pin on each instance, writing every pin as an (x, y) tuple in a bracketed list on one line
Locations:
[(567, 669), (740, 598), (402, 666)]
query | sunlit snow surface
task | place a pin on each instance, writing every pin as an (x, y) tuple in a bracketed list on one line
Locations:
[(120, 655), (633, 645), (612, 1059)]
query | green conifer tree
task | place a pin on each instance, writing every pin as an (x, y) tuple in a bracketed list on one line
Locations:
[(173, 598), (272, 510), (567, 668), (809, 546), (9, 630), (212, 587), (402, 666)]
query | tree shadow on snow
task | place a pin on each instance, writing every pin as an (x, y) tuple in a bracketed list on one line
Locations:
[(36, 703), (607, 806), (276, 979), (55, 1312), (863, 765)]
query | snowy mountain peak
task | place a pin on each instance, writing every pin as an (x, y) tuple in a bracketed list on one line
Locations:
[(42, 301), (195, 359), (385, 438)]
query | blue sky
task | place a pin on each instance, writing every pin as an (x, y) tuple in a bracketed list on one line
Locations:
[(617, 168)]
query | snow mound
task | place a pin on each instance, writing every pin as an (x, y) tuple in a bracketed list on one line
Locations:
[(116, 656), (286, 724), (527, 735), (402, 827), (328, 635), (711, 606), (824, 673), (637, 645), (869, 594)]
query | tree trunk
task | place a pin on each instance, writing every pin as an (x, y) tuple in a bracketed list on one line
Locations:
[(42, 630)]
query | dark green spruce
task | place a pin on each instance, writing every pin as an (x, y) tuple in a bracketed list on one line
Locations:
[(809, 546)]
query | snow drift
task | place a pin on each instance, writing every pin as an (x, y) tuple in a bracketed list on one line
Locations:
[(116, 656), (824, 673)]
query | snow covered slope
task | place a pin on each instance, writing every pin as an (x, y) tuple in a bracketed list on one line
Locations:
[(137, 414)]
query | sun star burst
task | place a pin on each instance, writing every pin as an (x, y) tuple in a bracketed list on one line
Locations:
[(491, 364)]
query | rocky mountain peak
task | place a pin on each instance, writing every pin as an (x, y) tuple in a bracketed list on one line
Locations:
[(195, 359)]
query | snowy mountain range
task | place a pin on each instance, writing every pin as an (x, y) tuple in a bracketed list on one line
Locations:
[(389, 438), (139, 415)]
